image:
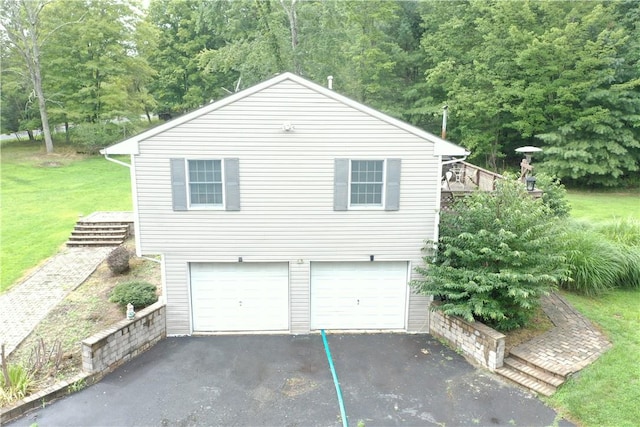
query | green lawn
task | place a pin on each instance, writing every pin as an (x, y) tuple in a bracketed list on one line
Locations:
[(602, 206), (43, 196), (607, 392)]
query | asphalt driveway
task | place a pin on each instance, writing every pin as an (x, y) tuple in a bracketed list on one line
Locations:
[(257, 380)]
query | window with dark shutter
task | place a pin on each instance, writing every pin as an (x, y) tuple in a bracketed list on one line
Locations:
[(367, 183), (205, 183)]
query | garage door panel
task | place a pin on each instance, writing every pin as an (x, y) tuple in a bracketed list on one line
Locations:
[(240, 296), (358, 295)]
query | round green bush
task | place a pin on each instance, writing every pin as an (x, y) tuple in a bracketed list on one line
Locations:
[(140, 294)]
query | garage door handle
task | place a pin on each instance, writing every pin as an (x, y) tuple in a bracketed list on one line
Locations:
[(358, 301), (240, 302)]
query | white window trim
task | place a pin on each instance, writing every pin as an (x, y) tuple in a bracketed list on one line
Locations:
[(365, 207), (202, 207)]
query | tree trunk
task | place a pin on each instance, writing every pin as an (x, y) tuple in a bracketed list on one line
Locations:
[(292, 17), (31, 53), (44, 118)]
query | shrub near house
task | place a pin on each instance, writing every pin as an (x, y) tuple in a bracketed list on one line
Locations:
[(139, 294), (498, 252)]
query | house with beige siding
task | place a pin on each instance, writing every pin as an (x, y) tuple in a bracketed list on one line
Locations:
[(287, 208)]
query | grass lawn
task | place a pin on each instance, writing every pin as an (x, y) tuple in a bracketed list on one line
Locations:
[(42, 198), (602, 206), (607, 392)]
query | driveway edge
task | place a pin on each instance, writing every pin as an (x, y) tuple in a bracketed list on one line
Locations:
[(49, 395)]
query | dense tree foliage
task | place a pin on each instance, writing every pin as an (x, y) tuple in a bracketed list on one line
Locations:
[(19, 108), (563, 75), (21, 22), (495, 257)]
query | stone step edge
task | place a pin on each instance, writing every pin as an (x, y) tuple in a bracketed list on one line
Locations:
[(93, 243), (549, 367), (525, 381), (112, 234), (96, 238), (538, 374), (102, 226)]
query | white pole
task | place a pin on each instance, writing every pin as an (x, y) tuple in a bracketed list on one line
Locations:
[(444, 121)]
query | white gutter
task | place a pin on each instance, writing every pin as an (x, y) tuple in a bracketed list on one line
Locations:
[(448, 162)]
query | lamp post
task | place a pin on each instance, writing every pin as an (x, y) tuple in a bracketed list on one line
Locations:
[(526, 170)]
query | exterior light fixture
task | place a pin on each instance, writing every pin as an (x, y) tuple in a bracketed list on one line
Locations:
[(288, 127), (526, 170), (531, 183)]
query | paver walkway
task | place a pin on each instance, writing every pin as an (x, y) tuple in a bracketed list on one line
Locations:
[(27, 303), (573, 344)]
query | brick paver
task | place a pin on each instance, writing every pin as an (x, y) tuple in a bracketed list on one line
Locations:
[(573, 344), (27, 303)]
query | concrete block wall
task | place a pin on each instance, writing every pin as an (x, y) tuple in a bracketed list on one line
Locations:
[(113, 346), (475, 340)]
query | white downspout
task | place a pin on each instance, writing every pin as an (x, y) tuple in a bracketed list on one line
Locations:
[(106, 156)]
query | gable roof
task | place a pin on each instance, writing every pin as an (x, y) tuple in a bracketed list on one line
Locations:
[(130, 145)]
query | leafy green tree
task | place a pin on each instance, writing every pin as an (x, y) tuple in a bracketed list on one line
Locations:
[(365, 46), (19, 108), (564, 74), (496, 255), (183, 30), (470, 68), (94, 64), (21, 27), (261, 39), (590, 99)]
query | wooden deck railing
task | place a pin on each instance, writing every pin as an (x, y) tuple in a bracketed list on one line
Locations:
[(461, 179), (463, 176)]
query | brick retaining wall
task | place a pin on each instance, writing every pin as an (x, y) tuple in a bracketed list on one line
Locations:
[(101, 353), (474, 339), (113, 346)]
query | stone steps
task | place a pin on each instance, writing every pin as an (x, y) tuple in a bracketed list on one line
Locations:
[(98, 234), (529, 375)]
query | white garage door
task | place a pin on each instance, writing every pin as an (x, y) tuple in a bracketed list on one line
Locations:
[(240, 296), (358, 295)]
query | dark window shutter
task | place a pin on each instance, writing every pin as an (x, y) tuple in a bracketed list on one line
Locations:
[(341, 185), (392, 194), (178, 185), (232, 184)]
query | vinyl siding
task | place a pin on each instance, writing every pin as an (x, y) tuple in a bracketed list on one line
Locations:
[(299, 296), (286, 193), (177, 295)]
